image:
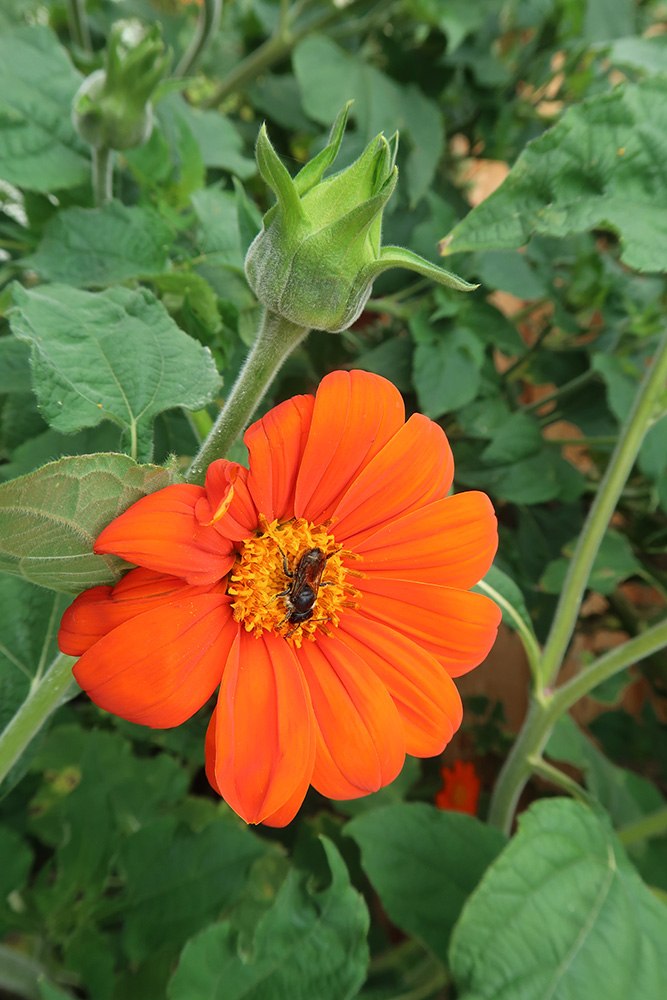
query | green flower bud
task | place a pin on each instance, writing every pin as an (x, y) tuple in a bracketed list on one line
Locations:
[(319, 251), (112, 107)]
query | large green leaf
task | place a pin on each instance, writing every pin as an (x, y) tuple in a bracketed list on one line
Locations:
[(39, 148), (308, 945), (177, 881), (94, 247), (626, 796), (424, 863), (114, 355), (597, 168), (561, 914), (50, 518), (329, 77)]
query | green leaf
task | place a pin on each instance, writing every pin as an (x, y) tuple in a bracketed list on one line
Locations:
[(85, 348), (94, 247), (446, 366), (511, 272), (515, 439), (614, 562), (14, 366), (538, 479), (219, 141), (594, 169), (562, 914), (606, 19), (39, 148), (218, 234), (647, 54), (307, 945), (329, 77), (29, 619), (625, 795), (17, 861), (424, 863), (392, 359), (177, 881), (50, 518)]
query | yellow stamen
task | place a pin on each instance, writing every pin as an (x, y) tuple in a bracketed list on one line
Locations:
[(259, 582)]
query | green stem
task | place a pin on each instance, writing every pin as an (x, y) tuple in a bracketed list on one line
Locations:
[(275, 48), (527, 637), (207, 25), (599, 515), (564, 390), (546, 708), (43, 699), (557, 777), (654, 825), (102, 175), (276, 339), (645, 644), (78, 25)]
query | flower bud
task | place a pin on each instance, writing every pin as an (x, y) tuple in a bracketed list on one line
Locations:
[(319, 251), (112, 107)]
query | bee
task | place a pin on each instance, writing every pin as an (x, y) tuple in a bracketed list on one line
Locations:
[(305, 582)]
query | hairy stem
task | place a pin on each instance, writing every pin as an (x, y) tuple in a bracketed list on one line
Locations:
[(43, 700), (547, 706), (276, 339)]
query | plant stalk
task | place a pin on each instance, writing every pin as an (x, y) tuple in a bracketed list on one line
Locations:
[(276, 339), (102, 175), (43, 699), (547, 706), (207, 25), (78, 25)]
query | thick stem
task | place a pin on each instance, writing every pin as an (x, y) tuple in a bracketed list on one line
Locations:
[(78, 25), (44, 698), (546, 708), (545, 712), (276, 339), (207, 25), (102, 175), (618, 470)]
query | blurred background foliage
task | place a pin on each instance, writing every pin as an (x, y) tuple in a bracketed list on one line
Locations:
[(115, 853)]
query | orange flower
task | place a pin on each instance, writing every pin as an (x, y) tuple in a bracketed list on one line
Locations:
[(327, 685), (460, 791)]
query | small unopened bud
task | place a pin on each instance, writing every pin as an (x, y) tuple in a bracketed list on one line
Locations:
[(319, 251), (112, 108)]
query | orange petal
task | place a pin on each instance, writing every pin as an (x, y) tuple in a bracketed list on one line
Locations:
[(360, 738), (101, 609), (161, 666), (355, 414), (423, 692), (227, 504), (275, 446), (161, 532), (264, 728), (414, 469), (457, 626), (451, 542)]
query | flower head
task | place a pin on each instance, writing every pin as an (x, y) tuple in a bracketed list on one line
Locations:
[(324, 589), (461, 787), (319, 251), (113, 107)]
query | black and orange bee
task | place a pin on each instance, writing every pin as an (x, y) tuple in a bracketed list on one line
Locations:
[(306, 581)]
